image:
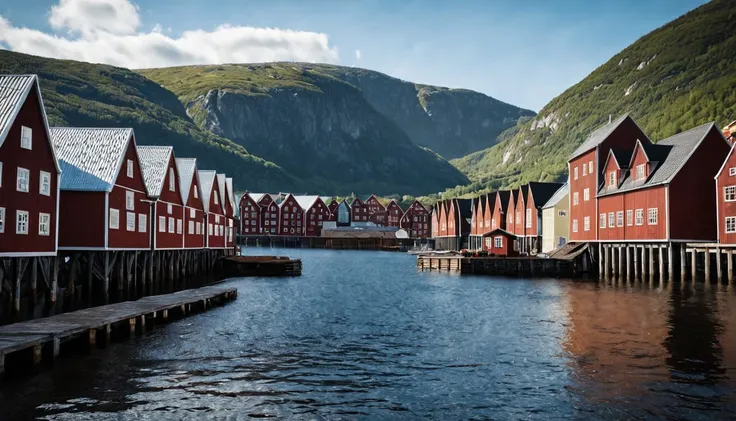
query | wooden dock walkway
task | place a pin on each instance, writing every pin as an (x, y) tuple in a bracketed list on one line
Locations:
[(46, 335), (502, 266)]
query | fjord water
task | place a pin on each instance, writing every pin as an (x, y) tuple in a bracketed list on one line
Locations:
[(363, 335)]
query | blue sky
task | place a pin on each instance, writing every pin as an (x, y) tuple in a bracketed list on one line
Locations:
[(524, 52)]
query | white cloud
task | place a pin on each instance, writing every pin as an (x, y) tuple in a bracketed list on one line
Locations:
[(93, 37), (357, 54)]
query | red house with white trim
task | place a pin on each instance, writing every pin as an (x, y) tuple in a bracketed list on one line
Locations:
[(191, 193), (499, 242), (416, 221), (315, 213), (104, 203), (162, 182), (726, 197), (29, 171), (500, 207), (510, 211), (358, 211), (211, 198), (250, 215), (226, 203), (376, 211), (292, 217), (539, 194), (394, 213)]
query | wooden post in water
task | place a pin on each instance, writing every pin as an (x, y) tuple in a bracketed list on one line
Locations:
[(661, 264), (707, 265), (34, 284), (620, 261), (719, 269), (683, 262), (90, 278), (694, 264), (637, 271), (628, 263), (729, 256), (600, 259), (670, 262), (106, 277), (651, 262)]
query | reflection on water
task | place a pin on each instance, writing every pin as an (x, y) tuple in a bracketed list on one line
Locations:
[(362, 335)]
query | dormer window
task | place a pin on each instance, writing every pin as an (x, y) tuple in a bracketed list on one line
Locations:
[(641, 171), (612, 179)]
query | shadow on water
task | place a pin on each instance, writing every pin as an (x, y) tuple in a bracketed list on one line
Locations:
[(363, 335)]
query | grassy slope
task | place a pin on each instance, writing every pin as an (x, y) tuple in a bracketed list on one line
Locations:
[(84, 94), (688, 78)]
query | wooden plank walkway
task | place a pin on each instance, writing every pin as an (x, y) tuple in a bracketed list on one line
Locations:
[(54, 330)]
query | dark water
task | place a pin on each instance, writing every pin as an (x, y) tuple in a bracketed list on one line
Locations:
[(363, 335)]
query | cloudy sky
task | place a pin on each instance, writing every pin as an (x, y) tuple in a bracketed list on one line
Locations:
[(521, 51)]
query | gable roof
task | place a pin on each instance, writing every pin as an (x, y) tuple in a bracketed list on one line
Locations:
[(221, 189), (14, 90), (513, 194), (206, 182), (542, 192), (306, 202), (154, 164), (464, 206), (622, 157), (90, 158), (504, 196), (185, 167), (672, 154), (524, 189), (557, 196), (598, 136), (491, 201), (231, 193)]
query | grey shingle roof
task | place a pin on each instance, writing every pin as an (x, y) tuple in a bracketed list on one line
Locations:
[(185, 167), (559, 195), (154, 163), (672, 153), (90, 158), (598, 136), (206, 181)]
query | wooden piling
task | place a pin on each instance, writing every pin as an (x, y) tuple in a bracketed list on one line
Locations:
[(694, 264), (620, 261), (651, 262), (670, 262), (661, 264), (683, 262), (707, 265), (600, 259), (637, 270), (729, 264), (719, 269)]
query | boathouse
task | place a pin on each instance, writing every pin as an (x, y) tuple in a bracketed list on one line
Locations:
[(29, 172), (376, 211), (251, 215), (487, 218), (499, 242), (416, 221), (104, 203), (233, 212), (726, 196), (394, 214), (539, 194), (211, 198), (292, 216), (228, 211), (556, 220), (161, 177), (476, 224), (191, 193), (520, 220), (315, 213), (585, 169), (510, 208), (500, 207), (269, 204), (332, 206), (358, 210)]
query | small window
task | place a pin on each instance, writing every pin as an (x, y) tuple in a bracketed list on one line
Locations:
[(585, 170), (518, 218), (574, 225), (209, 229), (196, 193), (172, 180), (217, 219), (161, 224), (26, 138), (629, 217), (44, 183), (24, 177), (575, 199), (620, 218), (142, 222), (652, 216), (198, 228), (730, 224), (603, 220), (586, 195), (129, 200), (2, 220), (21, 222), (612, 179), (488, 242), (640, 217), (586, 223), (130, 221), (44, 224), (114, 219), (562, 213), (732, 171), (192, 213), (575, 171), (729, 193), (590, 167), (190, 227), (169, 208), (171, 225), (179, 226), (640, 171), (611, 219), (528, 218), (129, 168), (498, 242)]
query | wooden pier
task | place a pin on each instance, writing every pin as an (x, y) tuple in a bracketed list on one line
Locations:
[(35, 340), (502, 266), (238, 266)]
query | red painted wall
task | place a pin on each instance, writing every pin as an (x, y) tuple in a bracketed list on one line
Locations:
[(510, 213), (250, 216), (416, 221), (170, 200), (358, 211), (435, 221), (519, 214), (121, 237), (315, 217), (394, 213), (292, 218), (269, 215), (39, 158), (644, 199), (195, 241), (507, 245), (82, 217), (532, 230), (498, 218)]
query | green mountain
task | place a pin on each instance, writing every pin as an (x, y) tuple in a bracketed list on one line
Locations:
[(672, 79)]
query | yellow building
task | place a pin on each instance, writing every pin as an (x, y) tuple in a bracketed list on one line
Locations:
[(555, 220)]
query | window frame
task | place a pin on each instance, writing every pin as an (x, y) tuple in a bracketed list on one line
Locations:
[(26, 224), (639, 217), (729, 191), (3, 219), (142, 222), (629, 217), (114, 216), (731, 219), (129, 171), (653, 215), (586, 223), (574, 225), (44, 176), (602, 221), (27, 184), (26, 135)]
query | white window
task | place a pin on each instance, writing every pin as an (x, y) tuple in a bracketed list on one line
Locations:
[(130, 221), (198, 228), (142, 222), (24, 177), (217, 201), (190, 227), (179, 226), (2, 220), (729, 193), (629, 217), (169, 208), (196, 193), (129, 168), (44, 224), (172, 180), (620, 218), (217, 219), (640, 171), (21, 222), (586, 223), (603, 220), (730, 224), (590, 167), (611, 219), (161, 224), (612, 179), (171, 225), (575, 172), (652, 216), (574, 225), (192, 213), (528, 218), (44, 183), (26, 137), (640, 217), (586, 195), (209, 229), (114, 219), (129, 200), (732, 171), (498, 242), (575, 198), (585, 170)]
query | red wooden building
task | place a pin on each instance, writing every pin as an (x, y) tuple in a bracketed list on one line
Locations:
[(585, 168), (435, 224), (659, 192), (539, 194), (520, 215), (332, 206), (211, 198), (726, 197), (269, 213), (292, 217), (29, 172), (233, 207), (500, 207), (358, 211), (228, 211), (162, 178), (315, 213), (416, 221), (499, 242), (251, 217), (510, 211), (104, 203), (191, 193), (376, 211), (476, 223), (394, 213)]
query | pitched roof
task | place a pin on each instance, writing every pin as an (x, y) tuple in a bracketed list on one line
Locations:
[(491, 200), (90, 158), (513, 194), (154, 163), (524, 192), (221, 189), (256, 196), (206, 182), (622, 157), (229, 186), (185, 167), (597, 136), (671, 153), (541, 192), (504, 196), (558, 196), (306, 202), (14, 90), (464, 206)]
